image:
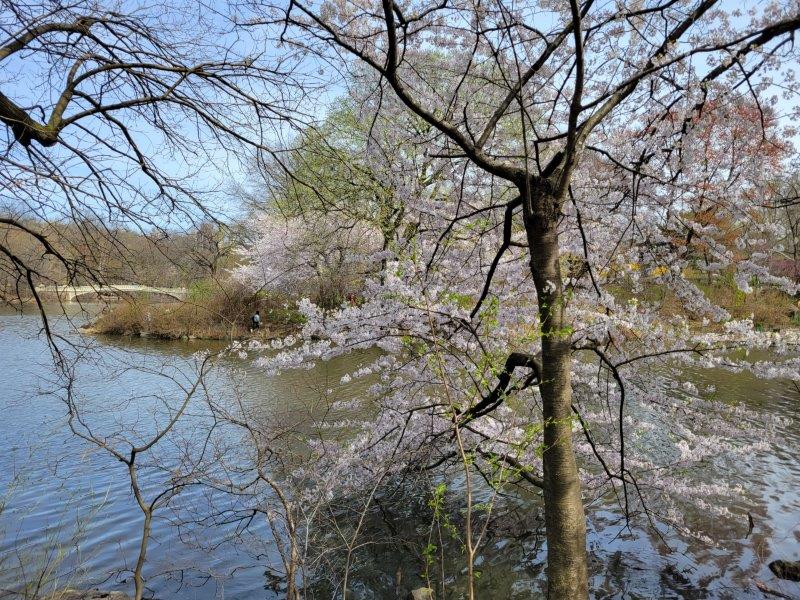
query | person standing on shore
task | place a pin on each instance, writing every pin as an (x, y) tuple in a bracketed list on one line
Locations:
[(255, 321)]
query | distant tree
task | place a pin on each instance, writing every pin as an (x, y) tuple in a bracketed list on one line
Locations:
[(325, 260), (210, 249), (787, 207), (354, 167)]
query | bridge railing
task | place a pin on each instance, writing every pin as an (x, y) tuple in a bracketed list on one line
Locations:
[(70, 292)]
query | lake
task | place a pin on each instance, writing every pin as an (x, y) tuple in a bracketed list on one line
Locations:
[(68, 511)]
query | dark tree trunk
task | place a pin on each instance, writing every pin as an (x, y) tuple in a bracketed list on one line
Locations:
[(565, 520)]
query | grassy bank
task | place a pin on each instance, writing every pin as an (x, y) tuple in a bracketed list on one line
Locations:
[(209, 312), (770, 308)]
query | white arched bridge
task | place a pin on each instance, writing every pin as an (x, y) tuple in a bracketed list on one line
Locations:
[(71, 293)]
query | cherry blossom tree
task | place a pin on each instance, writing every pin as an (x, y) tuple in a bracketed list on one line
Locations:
[(587, 144), (326, 261)]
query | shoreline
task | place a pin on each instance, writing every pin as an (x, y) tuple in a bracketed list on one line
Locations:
[(215, 317), (264, 333)]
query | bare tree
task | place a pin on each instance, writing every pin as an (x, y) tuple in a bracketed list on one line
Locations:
[(130, 443), (112, 113), (213, 246)]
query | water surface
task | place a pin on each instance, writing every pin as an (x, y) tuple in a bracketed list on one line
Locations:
[(69, 511)]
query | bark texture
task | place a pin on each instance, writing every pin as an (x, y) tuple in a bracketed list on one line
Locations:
[(565, 520)]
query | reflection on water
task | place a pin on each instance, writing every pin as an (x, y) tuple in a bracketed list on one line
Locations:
[(75, 501)]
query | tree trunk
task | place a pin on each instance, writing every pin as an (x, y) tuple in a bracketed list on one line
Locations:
[(565, 521), (138, 580)]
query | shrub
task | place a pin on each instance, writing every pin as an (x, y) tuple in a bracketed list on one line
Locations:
[(211, 310)]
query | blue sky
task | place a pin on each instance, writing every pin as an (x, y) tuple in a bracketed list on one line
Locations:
[(31, 81)]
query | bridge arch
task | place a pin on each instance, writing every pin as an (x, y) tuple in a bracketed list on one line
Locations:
[(75, 292)]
